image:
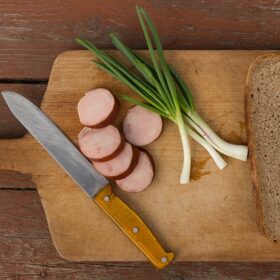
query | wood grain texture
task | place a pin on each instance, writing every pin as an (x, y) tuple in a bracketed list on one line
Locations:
[(217, 210), (12, 179), (27, 253), (138, 271), (34, 32), (9, 126)]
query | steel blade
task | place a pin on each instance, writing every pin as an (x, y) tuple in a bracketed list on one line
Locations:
[(55, 142)]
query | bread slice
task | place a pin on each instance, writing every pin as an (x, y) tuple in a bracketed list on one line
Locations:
[(262, 114)]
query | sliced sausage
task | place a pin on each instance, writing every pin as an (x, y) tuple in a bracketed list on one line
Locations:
[(142, 175), (83, 132), (141, 126), (98, 108), (120, 166), (100, 144)]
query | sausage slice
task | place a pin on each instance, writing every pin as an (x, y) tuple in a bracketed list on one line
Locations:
[(142, 175), (141, 126), (101, 144), (98, 108), (120, 166)]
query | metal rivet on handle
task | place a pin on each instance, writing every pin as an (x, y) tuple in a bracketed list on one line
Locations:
[(106, 198), (135, 230), (164, 259)]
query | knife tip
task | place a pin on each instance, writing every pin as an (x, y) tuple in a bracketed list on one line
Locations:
[(6, 94)]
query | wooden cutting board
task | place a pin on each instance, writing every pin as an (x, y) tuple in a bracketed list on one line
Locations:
[(211, 219)]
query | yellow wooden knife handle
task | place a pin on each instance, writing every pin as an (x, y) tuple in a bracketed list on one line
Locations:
[(132, 225)]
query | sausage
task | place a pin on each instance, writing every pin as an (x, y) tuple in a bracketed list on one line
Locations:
[(83, 132), (100, 144), (120, 166), (141, 126), (98, 108), (142, 175)]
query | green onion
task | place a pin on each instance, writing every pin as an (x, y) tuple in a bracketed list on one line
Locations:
[(164, 92)]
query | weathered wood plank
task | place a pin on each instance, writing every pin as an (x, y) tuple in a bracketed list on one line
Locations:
[(139, 271), (11, 179), (21, 217), (33, 33), (9, 126), (27, 253)]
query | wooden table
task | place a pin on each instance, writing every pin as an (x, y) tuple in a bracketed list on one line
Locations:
[(32, 33)]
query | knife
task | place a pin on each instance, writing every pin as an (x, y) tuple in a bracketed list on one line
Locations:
[(87, 178)]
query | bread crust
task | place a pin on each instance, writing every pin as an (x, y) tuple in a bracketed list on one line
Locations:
[(252, 151)]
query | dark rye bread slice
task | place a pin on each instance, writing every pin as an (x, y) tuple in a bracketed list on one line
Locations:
[(262, 113)]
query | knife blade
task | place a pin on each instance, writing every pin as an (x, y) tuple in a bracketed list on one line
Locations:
[(55, 142), (87, 178)]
